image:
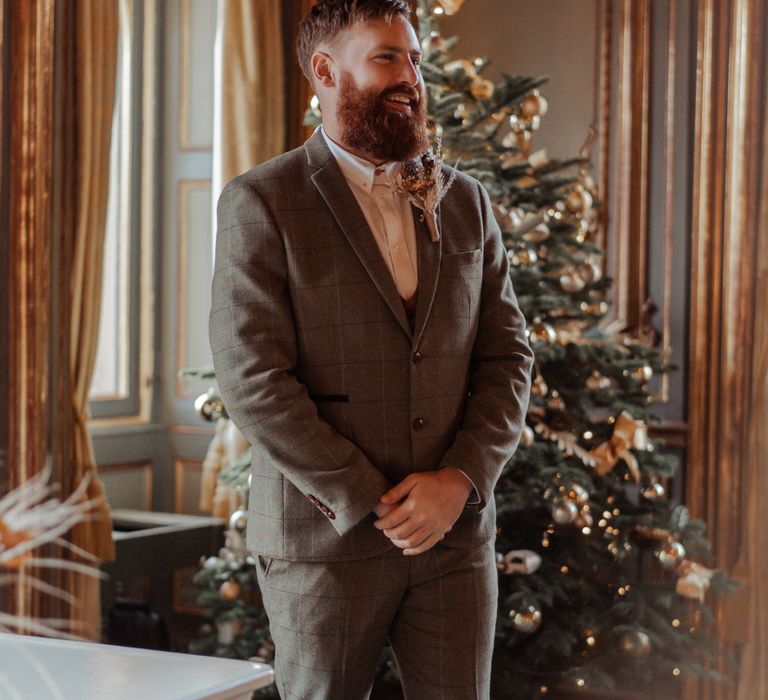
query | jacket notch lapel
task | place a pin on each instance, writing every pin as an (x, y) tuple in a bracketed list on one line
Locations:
[(334, 189), (429, 253)]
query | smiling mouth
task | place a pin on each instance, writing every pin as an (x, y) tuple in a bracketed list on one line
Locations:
[(400, 102)]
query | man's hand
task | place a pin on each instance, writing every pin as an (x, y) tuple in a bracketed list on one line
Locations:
[(432, 503)]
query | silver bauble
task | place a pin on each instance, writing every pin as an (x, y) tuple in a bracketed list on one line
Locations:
[(564, 512), (238, 521), (670, 554), (571, 283)]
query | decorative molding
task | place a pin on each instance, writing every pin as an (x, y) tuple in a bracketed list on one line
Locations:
[(180, 467), (192, 430), (145, 466), (185, 144), (629, 171), (183, 188)]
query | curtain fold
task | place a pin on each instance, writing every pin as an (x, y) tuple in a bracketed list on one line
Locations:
[(249, 93), (96, 46)]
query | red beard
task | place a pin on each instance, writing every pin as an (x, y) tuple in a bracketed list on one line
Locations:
[(370, 127)]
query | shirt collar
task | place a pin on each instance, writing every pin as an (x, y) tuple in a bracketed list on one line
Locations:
[(358, 170)]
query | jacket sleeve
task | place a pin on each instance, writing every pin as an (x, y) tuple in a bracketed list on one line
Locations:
[(253, 341), (500, 372)]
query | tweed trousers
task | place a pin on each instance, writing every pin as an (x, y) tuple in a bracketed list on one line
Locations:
[(330, 620)]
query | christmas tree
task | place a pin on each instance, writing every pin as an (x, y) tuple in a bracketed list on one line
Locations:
[(602, 580)]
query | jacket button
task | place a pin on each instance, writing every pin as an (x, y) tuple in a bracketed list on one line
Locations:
[(418, 424), (417, 356)]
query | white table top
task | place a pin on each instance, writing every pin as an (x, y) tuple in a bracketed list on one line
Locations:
[(43, 669)]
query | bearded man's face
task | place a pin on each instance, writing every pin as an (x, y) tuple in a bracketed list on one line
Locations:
[(380, 123), (380, 107)]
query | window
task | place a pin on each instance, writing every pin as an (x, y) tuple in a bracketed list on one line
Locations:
[(114, 387)]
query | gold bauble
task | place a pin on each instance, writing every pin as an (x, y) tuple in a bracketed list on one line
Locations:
[(526, 621), (230, 590), (527, 437), (482, 89), (635, 643), (543, 331), (670, 554), (590, 272), (534, 105), (584, 519), (571, 282), (579, 200)]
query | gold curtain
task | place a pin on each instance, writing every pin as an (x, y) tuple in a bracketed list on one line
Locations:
[(249, 79), (96, 45)]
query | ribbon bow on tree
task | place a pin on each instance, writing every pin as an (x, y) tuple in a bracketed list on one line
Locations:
[(628, 433)]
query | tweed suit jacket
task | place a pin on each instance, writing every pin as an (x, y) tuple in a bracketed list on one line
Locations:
[(322, 373)]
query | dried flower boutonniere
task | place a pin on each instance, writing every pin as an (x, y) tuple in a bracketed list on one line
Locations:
[(425, 184)]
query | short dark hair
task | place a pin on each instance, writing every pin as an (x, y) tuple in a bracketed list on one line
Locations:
[(328, 17)]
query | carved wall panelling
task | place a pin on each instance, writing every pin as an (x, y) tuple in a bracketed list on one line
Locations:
[(128, 485)]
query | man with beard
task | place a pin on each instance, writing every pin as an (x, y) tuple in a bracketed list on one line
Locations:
[(381, 375)]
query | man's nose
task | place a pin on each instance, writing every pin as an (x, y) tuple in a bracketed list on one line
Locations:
[(410, 72)]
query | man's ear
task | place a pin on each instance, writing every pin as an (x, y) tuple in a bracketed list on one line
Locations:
[(323, 69)]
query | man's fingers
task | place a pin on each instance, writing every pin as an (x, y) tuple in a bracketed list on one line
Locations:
[(414, 540), (430, 542), (393, 519), (405, 530), (399, 491)]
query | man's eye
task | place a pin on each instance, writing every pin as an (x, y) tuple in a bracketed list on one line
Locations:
[(385, 57)]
